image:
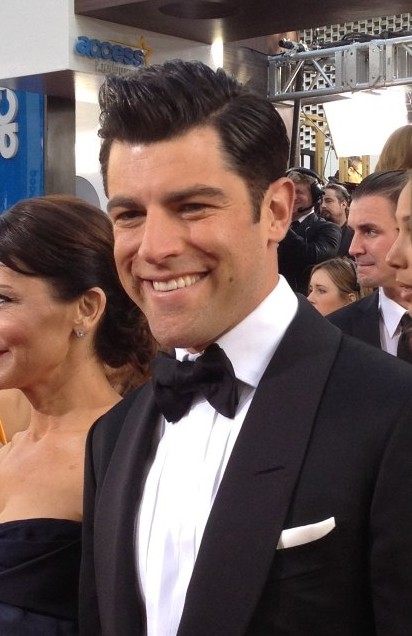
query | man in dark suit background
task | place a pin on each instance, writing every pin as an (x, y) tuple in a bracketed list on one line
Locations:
[(282, 506), (310, 239), (335, 207), (375, 318)]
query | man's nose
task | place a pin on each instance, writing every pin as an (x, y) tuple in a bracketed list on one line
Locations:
[(162, 236), (356, 246)]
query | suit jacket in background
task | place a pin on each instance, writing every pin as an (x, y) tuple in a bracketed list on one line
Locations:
[(360, 319), (307, 243), (328, 435), (345, 241)]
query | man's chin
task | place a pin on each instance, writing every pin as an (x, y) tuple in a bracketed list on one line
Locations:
[(366, 281)]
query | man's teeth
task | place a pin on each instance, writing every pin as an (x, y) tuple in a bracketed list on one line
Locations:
[(175, 283)]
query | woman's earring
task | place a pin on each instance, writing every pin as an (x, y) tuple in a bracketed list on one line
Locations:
[(80, 333)]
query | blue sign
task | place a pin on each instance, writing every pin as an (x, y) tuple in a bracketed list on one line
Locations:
[(109, 52), (21, 146)]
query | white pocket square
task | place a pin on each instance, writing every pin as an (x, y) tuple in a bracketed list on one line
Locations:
[(305, 534)]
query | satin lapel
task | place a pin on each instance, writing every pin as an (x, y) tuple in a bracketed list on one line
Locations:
[(115, 519), (247, 517)]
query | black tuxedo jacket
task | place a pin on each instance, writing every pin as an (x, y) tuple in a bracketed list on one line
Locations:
[(328, 435), (360, 319), (312, 241)]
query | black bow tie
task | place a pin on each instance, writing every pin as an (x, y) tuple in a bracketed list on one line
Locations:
[(211, 374)]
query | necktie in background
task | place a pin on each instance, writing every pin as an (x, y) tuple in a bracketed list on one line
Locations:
[(211, 374), (404, 350)]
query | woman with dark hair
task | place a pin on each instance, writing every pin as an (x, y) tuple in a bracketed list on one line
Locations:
[(64, 321), (333, 284)]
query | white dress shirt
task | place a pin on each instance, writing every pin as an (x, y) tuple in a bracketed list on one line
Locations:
[(190, 462), (390, 316)]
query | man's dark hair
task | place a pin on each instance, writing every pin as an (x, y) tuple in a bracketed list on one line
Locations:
[(386, 184), (165, 101), (342, 193)]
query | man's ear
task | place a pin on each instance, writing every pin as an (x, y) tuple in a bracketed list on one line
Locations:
[(278, 203), (90, 309)]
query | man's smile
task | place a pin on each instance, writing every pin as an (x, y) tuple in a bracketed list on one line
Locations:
[(175, 283)]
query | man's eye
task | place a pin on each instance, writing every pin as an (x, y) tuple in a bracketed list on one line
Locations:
[(127, 215), (192, 207)]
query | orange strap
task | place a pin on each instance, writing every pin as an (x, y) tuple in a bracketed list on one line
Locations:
[(3, 438)]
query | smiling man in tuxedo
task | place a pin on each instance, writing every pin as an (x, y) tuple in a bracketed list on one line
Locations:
[(260, 485)]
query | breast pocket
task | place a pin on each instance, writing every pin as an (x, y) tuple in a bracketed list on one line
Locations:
[(310, 556)]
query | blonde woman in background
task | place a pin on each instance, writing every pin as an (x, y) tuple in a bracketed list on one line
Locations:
[(397, 151), (333, 284), (400, 254)]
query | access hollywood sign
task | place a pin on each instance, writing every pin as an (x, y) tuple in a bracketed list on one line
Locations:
[(109, 52)]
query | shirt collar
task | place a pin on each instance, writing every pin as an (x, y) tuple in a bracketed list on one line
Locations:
[(391, 312), (251, 344)]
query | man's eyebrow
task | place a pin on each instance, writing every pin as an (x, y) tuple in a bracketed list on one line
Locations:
[(194, 191), (129, 203), (368, 226), (121, 202)]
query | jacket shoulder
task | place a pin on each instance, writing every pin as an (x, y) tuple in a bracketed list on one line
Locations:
[(351, 312), (107, 429), (379, 372), (321, 224)]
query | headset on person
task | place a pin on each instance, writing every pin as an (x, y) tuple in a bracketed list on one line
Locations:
[(316, 188)]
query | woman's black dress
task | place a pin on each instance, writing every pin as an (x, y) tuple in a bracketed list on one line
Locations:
[(39, 575)]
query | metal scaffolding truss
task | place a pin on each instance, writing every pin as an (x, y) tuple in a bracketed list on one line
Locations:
[(309, 75)]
